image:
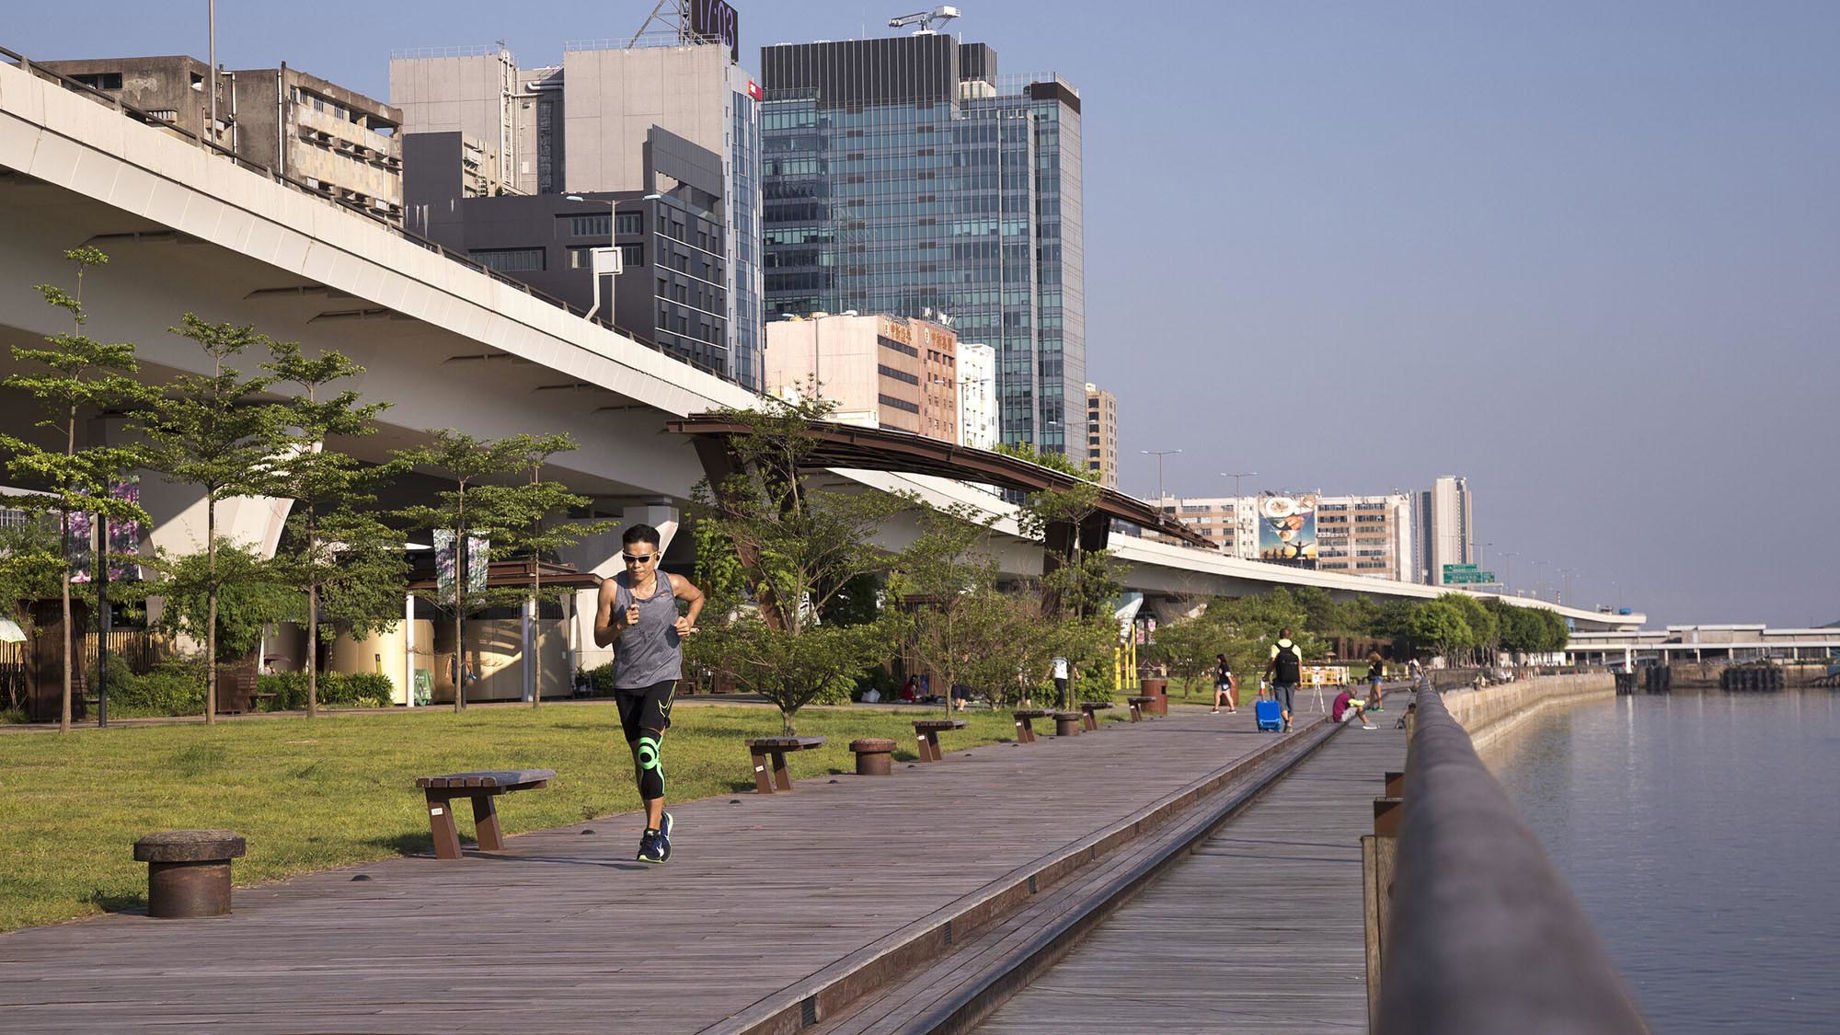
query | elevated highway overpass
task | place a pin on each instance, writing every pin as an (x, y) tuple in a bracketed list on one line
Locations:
[(446, 343)]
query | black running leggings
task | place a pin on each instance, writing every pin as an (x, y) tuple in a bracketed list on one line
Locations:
[(645, 713)]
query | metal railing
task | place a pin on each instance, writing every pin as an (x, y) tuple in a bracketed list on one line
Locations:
[(1484, 935), (109, 100)]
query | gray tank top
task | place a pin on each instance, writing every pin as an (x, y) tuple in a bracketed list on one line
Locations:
[(649, 652)]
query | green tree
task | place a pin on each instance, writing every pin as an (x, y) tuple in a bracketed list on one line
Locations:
[(491, 498), (1188, 646), (331, 539), (81, 376), (1484, 630), (944, 580), (796, 543), (545, 535), (224, 597), (215, 432), (1439, 624)]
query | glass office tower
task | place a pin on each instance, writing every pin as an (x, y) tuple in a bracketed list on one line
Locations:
[(902, 176)]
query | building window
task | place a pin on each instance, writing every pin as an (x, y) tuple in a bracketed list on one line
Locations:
[(100, 80), (898, 375), (632, 256), (581, 257), (509, 260), (899, 404), (631, 223), (590, 226)]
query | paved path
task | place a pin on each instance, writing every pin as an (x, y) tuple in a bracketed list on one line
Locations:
[(1260, 930), (562, 931)]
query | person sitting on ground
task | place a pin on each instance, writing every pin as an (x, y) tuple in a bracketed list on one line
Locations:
[(909, 693), (961, 696), (1349, 708)]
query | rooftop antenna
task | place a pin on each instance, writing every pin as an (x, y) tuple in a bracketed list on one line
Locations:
[(929, 22), (672, 15)]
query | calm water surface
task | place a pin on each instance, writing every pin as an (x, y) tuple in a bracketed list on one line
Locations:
[(1702, 834)]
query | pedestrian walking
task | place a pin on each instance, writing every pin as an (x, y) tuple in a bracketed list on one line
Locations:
[(637, 616), (1285, 670), (1376, 678), (1226, 685), (1059, 671)]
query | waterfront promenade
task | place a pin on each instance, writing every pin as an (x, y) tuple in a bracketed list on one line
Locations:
[(1259, 930), (562, 931)]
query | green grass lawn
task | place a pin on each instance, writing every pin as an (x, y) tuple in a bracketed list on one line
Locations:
[(340, 789)]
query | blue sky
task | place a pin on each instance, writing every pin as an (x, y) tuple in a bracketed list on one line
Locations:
[(1587, 255)]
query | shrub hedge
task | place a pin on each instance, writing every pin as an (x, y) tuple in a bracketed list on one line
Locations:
[(336, 690)]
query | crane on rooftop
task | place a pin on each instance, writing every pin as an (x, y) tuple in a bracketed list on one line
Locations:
[(928, 21)]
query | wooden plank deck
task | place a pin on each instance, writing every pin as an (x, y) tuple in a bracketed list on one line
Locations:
[(1260, 930), (563, 931)]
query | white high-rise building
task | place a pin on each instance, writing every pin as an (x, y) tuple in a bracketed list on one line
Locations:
[(977, 396), (1443, 529)]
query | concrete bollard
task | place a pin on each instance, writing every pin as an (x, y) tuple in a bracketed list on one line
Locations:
[(188, 872), (874, 756)]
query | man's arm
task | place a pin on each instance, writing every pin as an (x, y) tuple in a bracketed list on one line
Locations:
[(684, 590), (605, 628)]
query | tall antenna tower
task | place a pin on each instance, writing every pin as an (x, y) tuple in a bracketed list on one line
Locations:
[(675, 18)]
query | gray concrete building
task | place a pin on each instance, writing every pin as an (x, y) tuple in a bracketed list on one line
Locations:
[(670, 290), (582, 128), (337, 141)]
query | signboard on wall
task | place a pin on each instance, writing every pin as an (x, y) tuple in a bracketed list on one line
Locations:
[(1287, 530), (717, 22)]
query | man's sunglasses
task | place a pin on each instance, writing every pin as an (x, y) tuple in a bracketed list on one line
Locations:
[(638, 558)]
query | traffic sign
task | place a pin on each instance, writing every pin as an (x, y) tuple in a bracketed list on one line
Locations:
[(1467, 578)]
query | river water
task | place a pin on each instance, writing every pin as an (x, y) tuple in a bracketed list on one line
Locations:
[(1701, 832)]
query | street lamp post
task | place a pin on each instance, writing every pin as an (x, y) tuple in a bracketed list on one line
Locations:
[(1507, 577), (609, 265), (1238, 525), (1159, 454)]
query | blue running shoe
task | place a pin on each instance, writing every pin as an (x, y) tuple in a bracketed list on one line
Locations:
[(665, 826), (652, 847)]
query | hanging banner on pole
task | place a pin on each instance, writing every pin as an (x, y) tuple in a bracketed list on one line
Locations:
[(125, 535), (478, 562), (444, 561), (80, 546)]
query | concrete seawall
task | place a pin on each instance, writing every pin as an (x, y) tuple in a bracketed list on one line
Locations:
[(1492, 711)]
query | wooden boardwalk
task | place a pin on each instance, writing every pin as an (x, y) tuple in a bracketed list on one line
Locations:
[(1259, 930), (562, 931)]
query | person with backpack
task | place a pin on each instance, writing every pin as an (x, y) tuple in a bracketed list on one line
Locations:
[(1285, 670)]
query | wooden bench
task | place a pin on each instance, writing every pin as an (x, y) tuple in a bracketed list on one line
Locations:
[(259, 701), (481, 787), (1087, 710), (1025, 719), (927, 730), (762, 748), (1140, 707)]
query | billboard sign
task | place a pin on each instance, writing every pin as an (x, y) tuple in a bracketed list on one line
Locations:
[(1287, 530), (716, 22)]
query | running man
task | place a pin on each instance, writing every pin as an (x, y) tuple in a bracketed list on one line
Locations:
[(1285, 670), (637, 616)]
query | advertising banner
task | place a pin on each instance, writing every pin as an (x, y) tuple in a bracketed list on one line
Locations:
[(1287, 530), (444, 561)]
